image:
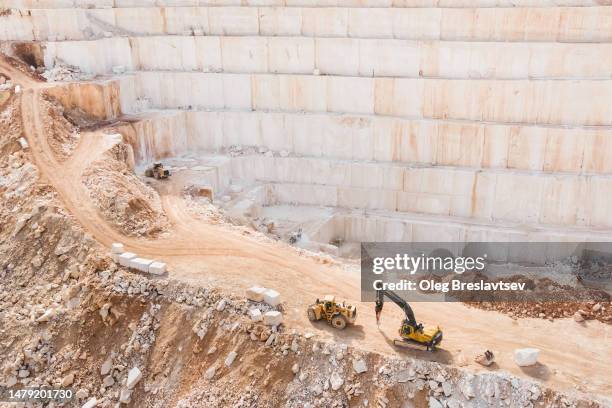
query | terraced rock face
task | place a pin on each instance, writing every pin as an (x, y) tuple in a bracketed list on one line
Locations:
[(457, 120)]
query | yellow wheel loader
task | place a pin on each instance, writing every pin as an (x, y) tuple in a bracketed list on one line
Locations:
[(336, 314), (410, 330), (157, 171)]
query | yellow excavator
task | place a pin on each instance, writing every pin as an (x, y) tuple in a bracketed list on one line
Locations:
[(410, 330)]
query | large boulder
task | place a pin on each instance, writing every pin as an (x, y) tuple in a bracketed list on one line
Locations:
[(124, 258), (91, 403), (272, 318), (230, 358), (360, 366), (272, 297), (255, 315), (336, 381), (255, 293), (526, 356), (157, 268), (134, 375)]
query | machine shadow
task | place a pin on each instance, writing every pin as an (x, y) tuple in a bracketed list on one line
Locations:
[(539, 371), (350, 335), (418, 351)]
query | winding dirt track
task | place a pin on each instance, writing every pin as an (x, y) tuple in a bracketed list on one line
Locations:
[(198, 252)]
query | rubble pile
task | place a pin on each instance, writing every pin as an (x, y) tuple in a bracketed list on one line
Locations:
[(63, 72), (580, 312), (132, 206), (305, 372), (62, 135)]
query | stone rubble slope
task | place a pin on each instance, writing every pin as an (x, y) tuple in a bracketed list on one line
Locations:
[(132, 206)]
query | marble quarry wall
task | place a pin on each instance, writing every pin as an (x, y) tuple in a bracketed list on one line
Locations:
[(466, 120)]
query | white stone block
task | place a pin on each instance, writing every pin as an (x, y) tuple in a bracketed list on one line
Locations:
[(255, 315), (132, 263), (360, 366), (526, 357), (328, 50), (280, 21), (134, 375), (125, 396), (157, 268), (350, 94), (291, 55), (23, 143), (141, 264), (230, 358), (124, 258), (271, 297), (244, 54), (272, 318), (233, 20), (117, 248), (256, 293), (417, 23), (325, 22), (370, 22), (91, 403)]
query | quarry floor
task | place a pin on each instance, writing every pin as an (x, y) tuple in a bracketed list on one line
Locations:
[(573, 355)]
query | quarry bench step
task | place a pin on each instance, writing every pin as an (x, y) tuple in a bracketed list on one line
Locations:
[(385, 226), (519, 24), (368, 138), (89, 4), (570, 107), (544, 102), (536, 203), (361, 57)]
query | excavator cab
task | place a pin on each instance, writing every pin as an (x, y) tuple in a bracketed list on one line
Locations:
[(410, 330), (431, 336)]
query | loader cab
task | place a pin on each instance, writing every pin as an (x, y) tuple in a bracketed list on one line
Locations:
[(352, 313), (329, 303)]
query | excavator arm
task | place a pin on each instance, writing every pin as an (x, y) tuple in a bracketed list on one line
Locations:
[(395, 298), (430, 338)]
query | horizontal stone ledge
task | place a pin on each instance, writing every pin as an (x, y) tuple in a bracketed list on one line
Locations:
[(360, 57), (117, 97), (564, 24), (503, 208), (88, 4), (360, 226), (550, 102), (372, 174), (159, 134), (507, 199)]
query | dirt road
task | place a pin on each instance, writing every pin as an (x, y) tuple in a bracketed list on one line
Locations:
[(571, 353)]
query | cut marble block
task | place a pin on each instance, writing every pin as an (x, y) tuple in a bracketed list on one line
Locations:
[(125, 258)]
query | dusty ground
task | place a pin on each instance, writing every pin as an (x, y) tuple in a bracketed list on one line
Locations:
[(202, 254)]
